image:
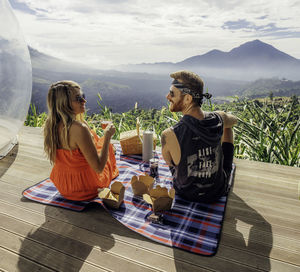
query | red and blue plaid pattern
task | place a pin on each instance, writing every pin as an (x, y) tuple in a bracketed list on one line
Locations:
[(194, 227)]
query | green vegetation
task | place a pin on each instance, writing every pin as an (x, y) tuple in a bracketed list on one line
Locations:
[(263, 87), (268, 129), (34, 119)]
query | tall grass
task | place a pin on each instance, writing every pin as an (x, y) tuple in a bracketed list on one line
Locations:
[(267, 131), (33, 118)]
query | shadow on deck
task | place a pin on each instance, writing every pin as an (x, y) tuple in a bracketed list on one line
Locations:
[(260, 232)]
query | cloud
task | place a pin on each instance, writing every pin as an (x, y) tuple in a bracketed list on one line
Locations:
[(270, 29), (22, 7), (133, 31), (239, 24), (246, 25)]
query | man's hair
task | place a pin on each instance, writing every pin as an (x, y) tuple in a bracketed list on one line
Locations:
[(191, 81)]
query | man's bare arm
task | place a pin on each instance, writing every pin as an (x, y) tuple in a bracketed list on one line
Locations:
[(165, 151), (229, 119), (163, 140)]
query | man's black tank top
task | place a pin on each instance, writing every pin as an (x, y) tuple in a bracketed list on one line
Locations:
[(199, 175)]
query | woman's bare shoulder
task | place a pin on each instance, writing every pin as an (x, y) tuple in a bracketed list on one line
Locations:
[(79, 128)]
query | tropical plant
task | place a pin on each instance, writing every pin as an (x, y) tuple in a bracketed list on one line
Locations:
[(33, 119), (268, 130)]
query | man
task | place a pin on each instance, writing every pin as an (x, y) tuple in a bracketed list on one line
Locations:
[(199, 148)]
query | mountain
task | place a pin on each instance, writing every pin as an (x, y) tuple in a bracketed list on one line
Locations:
[(263, 88), (120, 90), (41, 61), (249, 61), (255, 53)]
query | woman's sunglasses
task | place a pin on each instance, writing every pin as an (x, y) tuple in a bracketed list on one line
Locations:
[(80, 98)]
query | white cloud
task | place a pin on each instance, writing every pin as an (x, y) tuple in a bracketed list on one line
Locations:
[(107, 32)]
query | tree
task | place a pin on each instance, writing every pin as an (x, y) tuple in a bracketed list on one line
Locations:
[(271, 95)]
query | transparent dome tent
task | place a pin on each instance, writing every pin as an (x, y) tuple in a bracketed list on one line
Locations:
[(15, 78)]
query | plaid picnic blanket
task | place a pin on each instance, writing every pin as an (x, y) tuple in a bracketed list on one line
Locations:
[(194, 227)]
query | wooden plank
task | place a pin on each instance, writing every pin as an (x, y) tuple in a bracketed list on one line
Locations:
[(32, 152), (267, 179), (151, 254), (246, 195), (20, 182), (200, 257), (267, 209), (126, 248), (43, 255), (31, 130), (285, 231), (258, 261), (182, 258), (276, 253), (281, 171), (237, 211), (261, 228), (258, 198), (263, 165), (252, 186), (11, 261), (243, 213), (22, 166), (24, 169), (35, 176), (95, 253), (261, 216)]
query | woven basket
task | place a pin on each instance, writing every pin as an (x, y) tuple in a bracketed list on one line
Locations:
[(131, 141)]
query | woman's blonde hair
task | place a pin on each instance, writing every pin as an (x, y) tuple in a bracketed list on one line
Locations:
[(59, 110)]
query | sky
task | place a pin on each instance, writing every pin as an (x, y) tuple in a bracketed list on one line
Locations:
[(106, 33)]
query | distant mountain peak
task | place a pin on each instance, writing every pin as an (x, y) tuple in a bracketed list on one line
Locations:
[(213, 52), (258, 49), (37, 54), (254, 45), (256, 42)]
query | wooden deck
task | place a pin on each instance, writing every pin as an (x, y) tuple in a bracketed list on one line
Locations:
[(261, 230)]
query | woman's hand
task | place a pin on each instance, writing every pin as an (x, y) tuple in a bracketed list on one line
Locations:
[(109, 130)]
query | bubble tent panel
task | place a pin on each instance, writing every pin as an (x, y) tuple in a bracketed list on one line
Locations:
[(15, 78)]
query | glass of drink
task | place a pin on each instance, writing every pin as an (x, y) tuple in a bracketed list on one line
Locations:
[(153, 163), (105, 123)]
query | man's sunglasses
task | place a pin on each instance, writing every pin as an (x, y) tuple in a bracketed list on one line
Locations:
[(80, 98), (171, 93)]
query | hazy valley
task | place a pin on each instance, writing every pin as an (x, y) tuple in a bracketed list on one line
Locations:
[(253, 69)]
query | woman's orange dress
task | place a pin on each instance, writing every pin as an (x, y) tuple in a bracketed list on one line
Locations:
[(75, 179)]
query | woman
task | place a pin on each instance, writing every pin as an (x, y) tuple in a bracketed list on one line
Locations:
[(83, 162)]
